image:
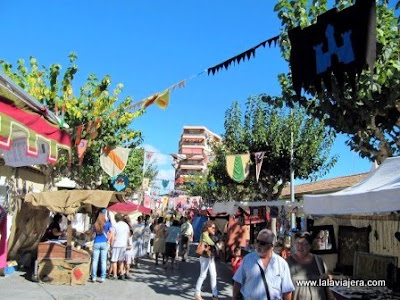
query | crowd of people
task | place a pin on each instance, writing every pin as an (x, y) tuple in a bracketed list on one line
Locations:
[(262, 274), (124, 242)]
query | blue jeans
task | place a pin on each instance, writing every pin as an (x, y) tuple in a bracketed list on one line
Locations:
[(99, 250)]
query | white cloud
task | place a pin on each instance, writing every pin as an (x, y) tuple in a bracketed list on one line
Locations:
[(159, 159)]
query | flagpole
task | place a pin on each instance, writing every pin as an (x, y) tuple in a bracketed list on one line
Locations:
[(293, 216), (144, 168)]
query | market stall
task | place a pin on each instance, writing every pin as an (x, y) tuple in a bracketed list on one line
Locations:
[(60, 262), (30, 134), (247, 219), (364, 221)]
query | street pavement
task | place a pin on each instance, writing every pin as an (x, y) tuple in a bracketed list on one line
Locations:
[(149, 282)]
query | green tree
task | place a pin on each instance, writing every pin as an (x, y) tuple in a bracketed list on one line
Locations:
[(371, 120), (92, 101), (267, 128)]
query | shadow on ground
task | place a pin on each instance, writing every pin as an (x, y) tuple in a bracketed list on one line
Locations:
[(181, 281)]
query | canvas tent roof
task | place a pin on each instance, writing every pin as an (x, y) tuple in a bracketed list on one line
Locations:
[(69, 202), (379, 192)]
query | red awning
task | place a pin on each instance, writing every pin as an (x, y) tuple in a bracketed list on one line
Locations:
[(128, 207)]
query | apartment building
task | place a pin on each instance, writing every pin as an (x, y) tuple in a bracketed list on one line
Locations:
[(196, 144)]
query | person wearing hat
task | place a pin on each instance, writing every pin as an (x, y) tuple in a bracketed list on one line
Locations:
[(101, 230)]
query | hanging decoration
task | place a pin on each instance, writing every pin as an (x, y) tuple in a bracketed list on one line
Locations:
[(177, 159), (165, 183), (259, 157), (77, 134), (237, 166), (146, 160), (160, 99), (340, 42), (113, 161), (22, 117), (81, 149), (145, 183), (120, 182), (242, 56), (92, 128)]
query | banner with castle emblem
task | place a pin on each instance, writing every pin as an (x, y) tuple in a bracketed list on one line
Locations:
[(237, 166), (341, 42)]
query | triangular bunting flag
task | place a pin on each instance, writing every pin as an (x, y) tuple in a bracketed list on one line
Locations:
[(259, 157), (81, 148), (78, 134)]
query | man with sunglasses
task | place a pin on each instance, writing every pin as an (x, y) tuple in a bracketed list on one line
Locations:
[(263, 274)]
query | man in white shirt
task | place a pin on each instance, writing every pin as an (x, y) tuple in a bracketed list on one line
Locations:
[(186, 237), (263, 274), (119, 247)]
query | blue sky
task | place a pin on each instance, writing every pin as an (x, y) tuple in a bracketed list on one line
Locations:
[(150, 45)]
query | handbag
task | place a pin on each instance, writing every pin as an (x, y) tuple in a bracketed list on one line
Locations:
[(203, 249)]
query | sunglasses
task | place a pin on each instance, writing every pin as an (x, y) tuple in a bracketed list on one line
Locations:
[(262, 243)]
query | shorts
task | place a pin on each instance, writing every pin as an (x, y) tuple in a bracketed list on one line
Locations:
[(118, 254), (170, 250), (129, 257)]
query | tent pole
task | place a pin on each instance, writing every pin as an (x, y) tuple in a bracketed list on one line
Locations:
[(69, 240)]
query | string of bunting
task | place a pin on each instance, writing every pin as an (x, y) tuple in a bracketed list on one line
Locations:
[(161, 99), (242, 56), (153, 99)]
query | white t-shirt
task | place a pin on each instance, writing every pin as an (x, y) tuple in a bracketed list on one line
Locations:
[(121, 234), (130, 243)]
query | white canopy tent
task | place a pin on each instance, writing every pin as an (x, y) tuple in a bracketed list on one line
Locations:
[(231, 206), (379, 192)]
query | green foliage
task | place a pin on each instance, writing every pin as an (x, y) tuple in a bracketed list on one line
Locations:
[(267, 128), (94, 100), (371, 116)]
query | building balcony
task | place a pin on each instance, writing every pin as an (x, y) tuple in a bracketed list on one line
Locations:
[(197, 151), (192, 136), (193, 145), (191, 167)]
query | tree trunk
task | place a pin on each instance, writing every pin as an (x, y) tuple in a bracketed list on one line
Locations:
[(273, 226)]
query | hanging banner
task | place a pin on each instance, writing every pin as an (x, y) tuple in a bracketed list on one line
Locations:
[(81, 149), (113, 161), (17, 155), (340, 42), (77, 135), (120, 182), (145, 183), (160, 99), (177, 159), (164, 200), (147, 201), (259, 157), (165, 183), (237, 166)]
